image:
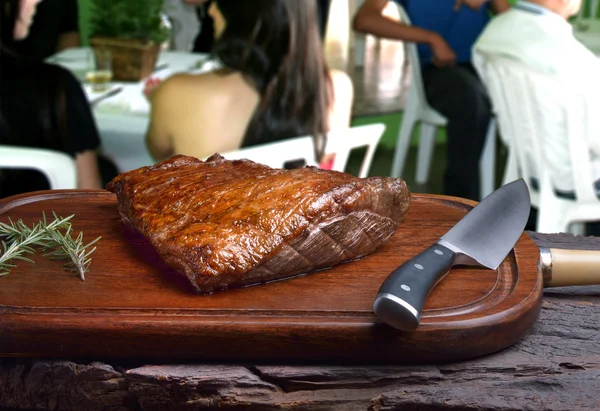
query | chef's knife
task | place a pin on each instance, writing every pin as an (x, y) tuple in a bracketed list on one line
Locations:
[(483, 237)]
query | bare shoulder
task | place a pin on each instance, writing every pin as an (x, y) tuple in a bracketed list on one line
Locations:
[(207, 87), (185, 84)]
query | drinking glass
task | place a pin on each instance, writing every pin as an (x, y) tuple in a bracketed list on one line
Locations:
[(100, 74)]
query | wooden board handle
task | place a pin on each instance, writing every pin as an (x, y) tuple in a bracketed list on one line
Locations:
[(569, 267)]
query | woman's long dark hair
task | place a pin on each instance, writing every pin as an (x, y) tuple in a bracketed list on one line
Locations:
[(9, 13), (46, 82), (275, 44)]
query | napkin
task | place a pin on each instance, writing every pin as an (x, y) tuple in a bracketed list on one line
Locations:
[(131, 100)]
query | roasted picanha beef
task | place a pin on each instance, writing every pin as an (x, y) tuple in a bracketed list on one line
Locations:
[(225, 224)]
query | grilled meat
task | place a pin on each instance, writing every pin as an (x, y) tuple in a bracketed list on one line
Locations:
[(225, 224)]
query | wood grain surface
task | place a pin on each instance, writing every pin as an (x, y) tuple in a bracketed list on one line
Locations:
[(130, 306), (555, 367)]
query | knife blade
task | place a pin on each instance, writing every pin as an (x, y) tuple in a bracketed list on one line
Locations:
[(483, 237), (103, 97)]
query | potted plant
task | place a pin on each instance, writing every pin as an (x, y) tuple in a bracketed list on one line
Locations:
[(132, 30)]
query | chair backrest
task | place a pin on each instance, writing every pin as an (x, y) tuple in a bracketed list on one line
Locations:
[(340, 141), (530, 105), (413, 58), (343, 141), (59, 168), (277, 154)]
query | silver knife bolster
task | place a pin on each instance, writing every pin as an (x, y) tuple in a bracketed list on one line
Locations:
[(396, 312), (544, 266), (460, 256), (398, 301)]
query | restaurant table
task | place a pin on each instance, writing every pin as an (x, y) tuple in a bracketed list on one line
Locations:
[(122, 118), (556, 366)]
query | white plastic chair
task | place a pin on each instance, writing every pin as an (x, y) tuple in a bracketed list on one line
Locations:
[(521, 97), (417, 110), (59, 168), (341, 142), (359, 38)]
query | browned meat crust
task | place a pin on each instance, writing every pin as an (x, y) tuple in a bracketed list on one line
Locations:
[(231, 223)]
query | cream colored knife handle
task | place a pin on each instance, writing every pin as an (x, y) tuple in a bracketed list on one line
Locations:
[(569, 267)]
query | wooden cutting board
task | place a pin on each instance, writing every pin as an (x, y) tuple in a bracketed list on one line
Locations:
[(129, 305)]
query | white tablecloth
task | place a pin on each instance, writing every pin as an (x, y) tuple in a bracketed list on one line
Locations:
[(122, 119)]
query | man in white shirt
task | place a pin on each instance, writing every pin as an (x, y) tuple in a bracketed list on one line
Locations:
[(537, 33)]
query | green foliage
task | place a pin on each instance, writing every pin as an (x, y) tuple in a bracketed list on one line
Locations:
[(128, 19)]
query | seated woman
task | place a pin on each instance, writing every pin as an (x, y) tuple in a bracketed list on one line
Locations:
[(41, 105), (274, 84)]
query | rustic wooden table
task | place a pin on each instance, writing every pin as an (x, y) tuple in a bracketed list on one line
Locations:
[(555, 367)]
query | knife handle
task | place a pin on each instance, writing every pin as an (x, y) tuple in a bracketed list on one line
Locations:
[(402, 295), (561, 268)]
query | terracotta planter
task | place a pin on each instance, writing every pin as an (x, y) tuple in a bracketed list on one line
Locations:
[(132, 60)]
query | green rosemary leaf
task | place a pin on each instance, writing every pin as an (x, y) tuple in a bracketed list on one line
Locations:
[(15, 251), (92, 243), (52, 237)]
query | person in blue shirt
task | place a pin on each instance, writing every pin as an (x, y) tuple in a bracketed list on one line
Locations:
[(445, 31)]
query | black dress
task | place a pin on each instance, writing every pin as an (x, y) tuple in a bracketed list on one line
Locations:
[(44, 106)]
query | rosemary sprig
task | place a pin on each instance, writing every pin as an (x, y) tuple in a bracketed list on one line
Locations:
[(20, 238), (54, 238), (14, 251)]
